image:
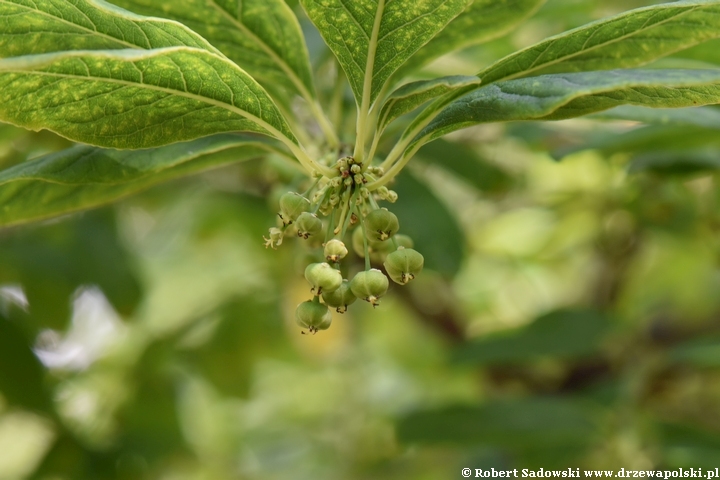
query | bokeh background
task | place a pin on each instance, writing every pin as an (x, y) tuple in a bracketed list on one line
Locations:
[(568, 316)]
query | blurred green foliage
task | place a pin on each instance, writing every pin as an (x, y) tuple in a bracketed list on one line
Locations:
[(570, 315)]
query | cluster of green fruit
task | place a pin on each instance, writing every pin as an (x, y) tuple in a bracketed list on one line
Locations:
[(346, 202)]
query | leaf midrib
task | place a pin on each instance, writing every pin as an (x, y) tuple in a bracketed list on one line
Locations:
[(566, 57), (372, 51)]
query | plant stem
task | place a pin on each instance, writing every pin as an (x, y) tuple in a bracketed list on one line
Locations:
[(331, 222), (311, 187), (394, 170), (346, 223), (346, 206), (371, 155), (365, 241)]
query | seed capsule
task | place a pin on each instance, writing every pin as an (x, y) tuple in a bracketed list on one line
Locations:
[(323, 277), (404, 241), (340, 298), (308, 225), (403, 265), (374, 247), (291, 206), (335, 250), (313, 315), (370, 286), (381, 224)]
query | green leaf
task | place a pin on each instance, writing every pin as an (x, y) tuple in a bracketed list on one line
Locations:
[(410, 96), (21, 373), (51, 261), (239, 344), (689, 446), (436, 232), (262, 36), (85, 177), (680, 163), (652, 138), (373, 38), (467, 164), (563, 334), (29, 27), (561, 96), (136, 98), (705, 117), (482, 21), (627, 40), (699, 352), (528, 422)]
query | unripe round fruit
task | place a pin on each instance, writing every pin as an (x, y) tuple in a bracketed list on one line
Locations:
[(359, 244), (403, 265), (291, 206), (335, 250), (340, 298), (404, 241), (323, 277), (313, 315), (381, 224), (308, 225), (370, 285)]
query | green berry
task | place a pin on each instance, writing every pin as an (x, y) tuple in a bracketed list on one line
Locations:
[(381, 224), (313, 315), (291, 206), (335, 250), (374, 246), (323, 277), (340, 298), (404, 264), (404, 241), (370, 285), (308, 225)]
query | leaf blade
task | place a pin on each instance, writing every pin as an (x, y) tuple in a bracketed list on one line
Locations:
[(43, 26), (262, 36), (482, 21), (136, 98), (617, 42), (412, 95), (84, 177), (405, 26), (562, 96)]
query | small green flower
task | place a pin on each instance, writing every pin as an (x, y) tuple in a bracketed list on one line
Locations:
[(313, 316), (291, 206), (370, 286), (340, 298), (381, 224), (308, 225), (404, 264), (275, 240), (323, 277)]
